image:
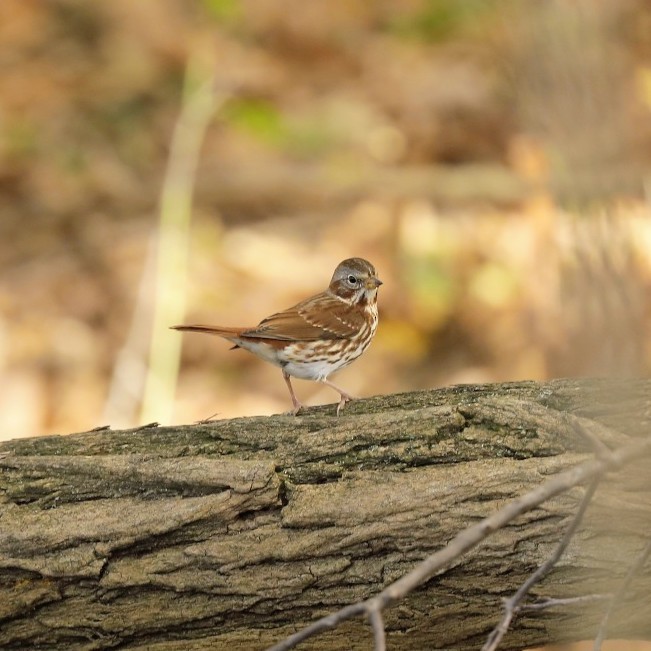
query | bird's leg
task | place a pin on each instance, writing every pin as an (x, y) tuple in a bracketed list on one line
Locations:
[(345, 397), (295, 400)]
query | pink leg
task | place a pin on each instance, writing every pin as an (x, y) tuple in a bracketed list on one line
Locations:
[(345, 397), (295, 400)]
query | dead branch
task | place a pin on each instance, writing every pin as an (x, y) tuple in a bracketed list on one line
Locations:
[(472, 536), (514, 604)]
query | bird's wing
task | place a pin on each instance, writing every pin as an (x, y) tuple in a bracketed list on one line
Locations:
[(321, 317)]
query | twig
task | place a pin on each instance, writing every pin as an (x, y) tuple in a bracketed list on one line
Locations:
[(323, 624), (551, 602), (152, 425), (379, 636), (618, 596), (205, 421), (582, 427), (512, 605), (469, 538)]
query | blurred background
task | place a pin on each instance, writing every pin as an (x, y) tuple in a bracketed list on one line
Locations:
[(166, 161)]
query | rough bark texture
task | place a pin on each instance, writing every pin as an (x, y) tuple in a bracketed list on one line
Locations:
[(230, 535)]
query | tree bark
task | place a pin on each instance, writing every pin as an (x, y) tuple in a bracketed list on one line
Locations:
[(233, 534)]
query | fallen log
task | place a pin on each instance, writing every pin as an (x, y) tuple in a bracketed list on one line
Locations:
[(234, 534)]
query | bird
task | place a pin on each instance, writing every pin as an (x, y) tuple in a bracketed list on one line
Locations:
[(318, 336)]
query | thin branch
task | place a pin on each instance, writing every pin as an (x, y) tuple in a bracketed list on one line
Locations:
[(469, 538), (551, 602), (512, 605), (323, 624), (619, 595), (583, 428), (379, 636)]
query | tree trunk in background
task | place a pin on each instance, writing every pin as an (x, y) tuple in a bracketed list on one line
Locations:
[(231, 534)]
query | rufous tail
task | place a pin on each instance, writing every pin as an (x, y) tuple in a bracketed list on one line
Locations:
[(229, 333)]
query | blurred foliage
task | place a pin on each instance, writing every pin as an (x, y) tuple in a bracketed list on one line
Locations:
[(224, 11), (487, 156), (436, 20), (299, 137), (260, 118)]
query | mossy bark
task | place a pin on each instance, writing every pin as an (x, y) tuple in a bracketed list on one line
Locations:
[(231, 534)]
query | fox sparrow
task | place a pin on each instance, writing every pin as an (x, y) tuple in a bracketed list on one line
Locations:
[(319, 335)]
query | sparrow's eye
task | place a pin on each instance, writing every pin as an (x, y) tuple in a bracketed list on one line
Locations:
[(352, 280)]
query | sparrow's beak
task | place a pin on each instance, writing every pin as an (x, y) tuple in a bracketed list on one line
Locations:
[(372, 283)]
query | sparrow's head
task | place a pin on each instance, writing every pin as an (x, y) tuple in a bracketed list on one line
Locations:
[(355, 280)]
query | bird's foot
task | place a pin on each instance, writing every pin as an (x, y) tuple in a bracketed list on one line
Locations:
[(344, 399), (298, 407)]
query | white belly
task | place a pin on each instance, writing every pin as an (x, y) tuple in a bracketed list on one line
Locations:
[(309, 360)]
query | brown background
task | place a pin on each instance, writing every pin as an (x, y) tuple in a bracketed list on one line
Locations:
[(489, 160)]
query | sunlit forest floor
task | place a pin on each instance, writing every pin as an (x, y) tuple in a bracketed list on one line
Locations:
[(504, 296)]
